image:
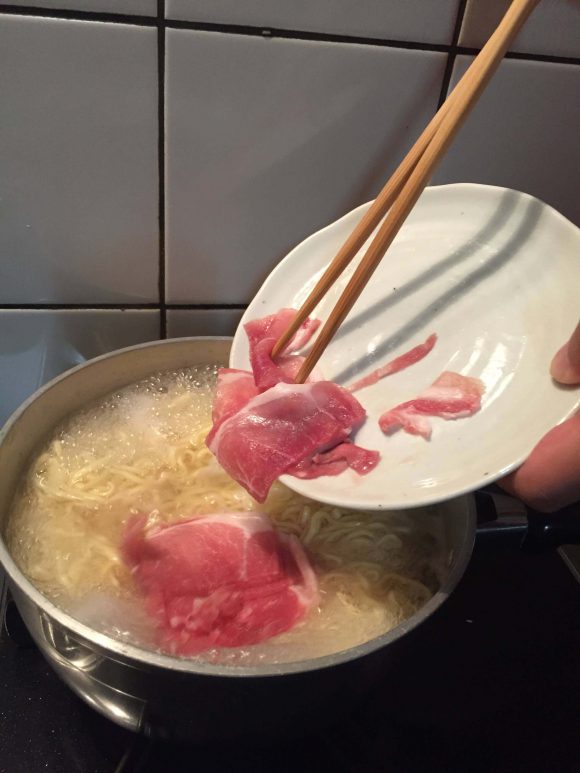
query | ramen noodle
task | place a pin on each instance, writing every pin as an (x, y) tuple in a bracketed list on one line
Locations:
[(142, 450)]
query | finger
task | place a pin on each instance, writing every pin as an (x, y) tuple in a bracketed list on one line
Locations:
[(565, 366), (550, 478)]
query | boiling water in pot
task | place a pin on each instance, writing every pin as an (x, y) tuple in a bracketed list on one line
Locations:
[(142, 451)]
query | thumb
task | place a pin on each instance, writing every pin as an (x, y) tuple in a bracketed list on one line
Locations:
[(550, 478), (565, 366)]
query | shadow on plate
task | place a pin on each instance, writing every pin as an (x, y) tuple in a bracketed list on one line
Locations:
[(506, 210)]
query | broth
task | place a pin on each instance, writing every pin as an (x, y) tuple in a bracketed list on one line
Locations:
[(142, 449)]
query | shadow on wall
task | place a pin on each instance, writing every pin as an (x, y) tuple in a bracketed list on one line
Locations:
[(39, 345), (36, 347)]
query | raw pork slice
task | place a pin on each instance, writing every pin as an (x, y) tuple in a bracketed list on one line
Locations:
[(234, 389), (394, 366), (224, 580), (452, 396), (335, 461), (263, 334), (280, 428), (274, 325)]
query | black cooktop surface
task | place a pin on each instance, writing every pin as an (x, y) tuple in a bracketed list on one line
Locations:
[(490, 683)]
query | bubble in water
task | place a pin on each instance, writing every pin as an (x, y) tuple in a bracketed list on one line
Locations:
[(138, 443)]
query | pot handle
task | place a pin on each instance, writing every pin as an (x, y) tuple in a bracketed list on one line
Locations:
[(540, 532)]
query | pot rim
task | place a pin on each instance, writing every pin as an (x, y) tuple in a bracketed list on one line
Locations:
[(144, 657)]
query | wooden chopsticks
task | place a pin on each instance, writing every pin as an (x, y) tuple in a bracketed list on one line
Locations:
[(403, 189), (371, 218)]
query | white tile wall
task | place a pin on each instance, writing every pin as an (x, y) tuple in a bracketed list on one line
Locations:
[(145, 7), (78, 187), (37, 345), (415, 20), (553, 28), (269, 140), (202, 322), (523, 134), (266, 141)]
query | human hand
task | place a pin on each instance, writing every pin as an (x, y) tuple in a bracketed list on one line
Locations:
[(549, 479)]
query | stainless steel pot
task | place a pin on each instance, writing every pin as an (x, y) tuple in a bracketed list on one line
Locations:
[(170, 697)]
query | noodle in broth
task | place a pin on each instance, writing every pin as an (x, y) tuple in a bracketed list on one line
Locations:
[(142, 450)]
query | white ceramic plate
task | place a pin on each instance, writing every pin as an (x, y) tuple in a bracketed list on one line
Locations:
[(496, 274)]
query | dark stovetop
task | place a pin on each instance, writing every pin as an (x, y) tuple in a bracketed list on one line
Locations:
[(490, 684)]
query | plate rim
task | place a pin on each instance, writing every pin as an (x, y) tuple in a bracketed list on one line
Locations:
[(295, 483)]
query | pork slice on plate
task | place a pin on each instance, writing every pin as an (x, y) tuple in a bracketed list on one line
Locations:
[(336, 460), (225, 580), (268, 372), (274, 325), (263, 334), (280, 428), (451, 396), (394, 366)]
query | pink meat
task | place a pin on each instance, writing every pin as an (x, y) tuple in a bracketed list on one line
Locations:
[(224, 580), (234, 389), (285, 369), (394, 366), (281, 427), (263, 334), (335, 461), (274, 325), (452, 396)]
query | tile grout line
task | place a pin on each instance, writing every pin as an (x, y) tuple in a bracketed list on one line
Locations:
[(309, 35), (161, 163), (257, 31), (452, 55), (78, 306), (232, 29), (136, 20), (548, 58), (207, 306), (121, 306)]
